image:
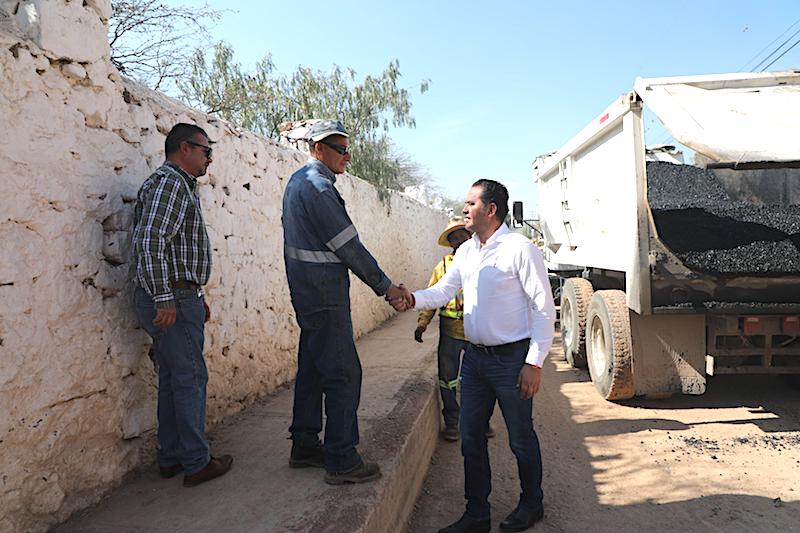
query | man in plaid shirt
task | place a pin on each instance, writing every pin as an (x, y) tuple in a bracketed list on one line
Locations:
[(173, 261)]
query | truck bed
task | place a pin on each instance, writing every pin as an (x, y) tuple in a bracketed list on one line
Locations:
[(711, 232)]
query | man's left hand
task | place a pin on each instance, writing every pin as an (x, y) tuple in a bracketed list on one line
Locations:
[(208, 311), (530, 377)]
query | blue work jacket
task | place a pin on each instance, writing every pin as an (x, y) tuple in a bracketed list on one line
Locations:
[(320, 243)]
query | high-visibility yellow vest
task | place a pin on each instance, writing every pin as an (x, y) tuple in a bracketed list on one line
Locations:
[(455, 307)]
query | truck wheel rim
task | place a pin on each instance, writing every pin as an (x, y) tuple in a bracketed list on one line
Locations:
[(599, 357), (566, 323)]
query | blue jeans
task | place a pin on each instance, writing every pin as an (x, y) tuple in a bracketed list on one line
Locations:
[(328, 364), (449, 358), (486, 378), (182, 379)]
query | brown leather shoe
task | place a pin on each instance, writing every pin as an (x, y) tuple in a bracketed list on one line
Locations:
[(170, 471), (216, 467)]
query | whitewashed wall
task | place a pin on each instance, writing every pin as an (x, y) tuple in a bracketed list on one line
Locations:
[(77, 389)]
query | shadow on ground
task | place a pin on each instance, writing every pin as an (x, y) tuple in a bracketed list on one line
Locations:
[(725, 461)]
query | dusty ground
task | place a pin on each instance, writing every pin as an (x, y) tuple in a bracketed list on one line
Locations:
[(725, 461)]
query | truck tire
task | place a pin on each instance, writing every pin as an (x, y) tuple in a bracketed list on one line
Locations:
[(576, 294), (608, 345)]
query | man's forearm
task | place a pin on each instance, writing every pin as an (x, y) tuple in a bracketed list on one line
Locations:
[(157, 282), (433, 298), (425, 317), (358, 259)]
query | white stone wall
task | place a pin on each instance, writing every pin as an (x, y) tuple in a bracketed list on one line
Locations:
[(77, 389)]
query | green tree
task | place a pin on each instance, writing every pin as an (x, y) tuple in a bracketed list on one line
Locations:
[(263, 99)]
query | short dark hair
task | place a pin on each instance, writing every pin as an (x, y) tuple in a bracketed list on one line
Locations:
[(181, 132), (496, 193)]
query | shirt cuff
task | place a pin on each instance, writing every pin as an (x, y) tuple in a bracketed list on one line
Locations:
[(421, 301), (164, 301), (382, 287), (534, 357)]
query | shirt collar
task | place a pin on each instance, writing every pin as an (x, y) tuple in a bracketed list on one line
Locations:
[(496, 236), (320, 166), (191, 180)]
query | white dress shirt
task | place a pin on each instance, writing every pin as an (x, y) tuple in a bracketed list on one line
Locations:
[(507, 294)]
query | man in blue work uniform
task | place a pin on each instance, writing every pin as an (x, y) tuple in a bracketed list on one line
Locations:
[(320, 246)]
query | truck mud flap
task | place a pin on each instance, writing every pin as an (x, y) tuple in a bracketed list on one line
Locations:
[(668, 354)]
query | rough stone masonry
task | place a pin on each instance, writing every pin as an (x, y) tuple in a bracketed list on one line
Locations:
[(77, 390)]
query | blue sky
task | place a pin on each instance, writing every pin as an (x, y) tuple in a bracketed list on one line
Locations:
[(509, 79)]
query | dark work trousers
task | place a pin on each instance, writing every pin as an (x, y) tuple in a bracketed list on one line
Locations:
[(182, 379), (449, 358), (328, 365), (486, 378)]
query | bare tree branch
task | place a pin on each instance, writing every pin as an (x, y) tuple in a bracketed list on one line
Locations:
[(154, 42)]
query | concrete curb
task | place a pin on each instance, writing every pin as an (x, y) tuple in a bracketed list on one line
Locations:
[(405, 480), (399, 426), (403, 443)]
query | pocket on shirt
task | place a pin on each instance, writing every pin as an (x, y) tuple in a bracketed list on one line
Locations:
[(334, 286), (318, 286)]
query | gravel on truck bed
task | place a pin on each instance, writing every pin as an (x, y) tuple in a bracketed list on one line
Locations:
[(709, 232)]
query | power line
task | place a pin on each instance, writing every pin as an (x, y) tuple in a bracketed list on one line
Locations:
[(775, 51), (780, 56), (787, 30)]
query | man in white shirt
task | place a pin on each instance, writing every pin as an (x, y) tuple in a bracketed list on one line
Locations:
[(508, 319)]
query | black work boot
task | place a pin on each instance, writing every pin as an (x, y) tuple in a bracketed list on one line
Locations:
[(360, 474), (305, 456), (522, 518), (450, 433), (467, 524)]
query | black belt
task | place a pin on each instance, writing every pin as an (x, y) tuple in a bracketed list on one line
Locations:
[(502, 349), (183, 284)]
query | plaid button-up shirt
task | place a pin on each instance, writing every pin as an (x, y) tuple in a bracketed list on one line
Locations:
[(170, 242)]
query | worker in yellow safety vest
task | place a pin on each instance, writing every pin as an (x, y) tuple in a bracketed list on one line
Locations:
[(452, 341)]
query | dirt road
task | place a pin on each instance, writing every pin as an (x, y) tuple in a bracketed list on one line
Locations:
[(725, 461)]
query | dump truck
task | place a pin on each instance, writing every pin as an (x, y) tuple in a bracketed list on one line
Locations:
[(667, 272)]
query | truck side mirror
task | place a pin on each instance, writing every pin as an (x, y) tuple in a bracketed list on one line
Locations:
[(517, 210)]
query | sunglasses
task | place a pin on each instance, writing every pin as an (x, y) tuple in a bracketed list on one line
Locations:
[(341, 150), (207, 149)]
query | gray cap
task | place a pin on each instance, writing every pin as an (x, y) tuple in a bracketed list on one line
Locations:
[(324, 128)]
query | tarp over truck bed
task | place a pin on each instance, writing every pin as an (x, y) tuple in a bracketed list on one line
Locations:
[(730, 118)]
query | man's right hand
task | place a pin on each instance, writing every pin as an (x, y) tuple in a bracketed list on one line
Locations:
[(165, 317), (418, 333), (399, 297)]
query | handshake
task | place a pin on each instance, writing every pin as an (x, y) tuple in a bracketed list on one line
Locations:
[(400, 298)]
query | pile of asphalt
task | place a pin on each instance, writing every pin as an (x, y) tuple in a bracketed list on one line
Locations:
[(709, 232)]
